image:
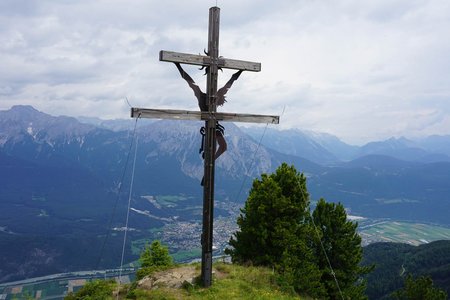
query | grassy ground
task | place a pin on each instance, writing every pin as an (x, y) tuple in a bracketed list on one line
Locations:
[(230, 282)]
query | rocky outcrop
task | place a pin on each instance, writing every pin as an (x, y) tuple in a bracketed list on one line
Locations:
[(173, 278)]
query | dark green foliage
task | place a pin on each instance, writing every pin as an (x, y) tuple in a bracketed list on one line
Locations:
[(342, 245), (275, 229), (393, 261), (94, 290), (419, 289), (156, 255), (154, 258), (298, 269), (271, 218), (388, 259)]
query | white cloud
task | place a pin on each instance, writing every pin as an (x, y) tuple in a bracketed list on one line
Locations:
[(361, 70)]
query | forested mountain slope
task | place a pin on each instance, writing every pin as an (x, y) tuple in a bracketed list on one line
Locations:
[(394, 261)]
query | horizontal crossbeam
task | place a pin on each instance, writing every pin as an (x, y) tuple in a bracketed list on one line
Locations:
[(197, 115), (239, 65), (202, 60), (191, 59)]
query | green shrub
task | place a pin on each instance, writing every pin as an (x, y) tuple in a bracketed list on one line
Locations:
[(94, 290), (156, 255)]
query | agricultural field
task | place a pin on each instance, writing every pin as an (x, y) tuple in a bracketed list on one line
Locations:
[(53, 289), (166, 201), (402, 232), (56, 286)]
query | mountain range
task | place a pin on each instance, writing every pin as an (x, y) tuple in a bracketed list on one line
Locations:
[(66, 181), (326, 149)]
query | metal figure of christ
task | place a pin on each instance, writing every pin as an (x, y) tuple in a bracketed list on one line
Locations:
[(203, 104)]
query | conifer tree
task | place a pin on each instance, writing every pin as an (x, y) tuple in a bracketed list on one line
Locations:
[(343, 251), (274, 229), (272, 217), (156, 255)]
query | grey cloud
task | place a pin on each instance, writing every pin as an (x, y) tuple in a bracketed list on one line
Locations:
[(18, 7), (339, 66)]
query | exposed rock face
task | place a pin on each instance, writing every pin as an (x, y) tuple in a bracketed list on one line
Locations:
[(173, 278)]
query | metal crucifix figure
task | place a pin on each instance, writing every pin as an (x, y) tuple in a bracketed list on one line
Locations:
[(203, 104), (208, 103)]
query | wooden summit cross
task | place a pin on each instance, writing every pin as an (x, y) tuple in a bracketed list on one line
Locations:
[(212, 62)]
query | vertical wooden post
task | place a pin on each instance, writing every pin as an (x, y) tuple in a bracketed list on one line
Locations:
[(210, 147)]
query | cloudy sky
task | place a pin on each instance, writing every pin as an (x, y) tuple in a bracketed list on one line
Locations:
[(361, 70)]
